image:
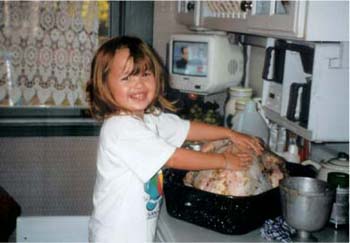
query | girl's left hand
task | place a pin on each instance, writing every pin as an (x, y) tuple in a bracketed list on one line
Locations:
[(246, 141)]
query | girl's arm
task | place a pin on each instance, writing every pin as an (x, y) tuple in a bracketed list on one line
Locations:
[(201, 131), (186, 159)]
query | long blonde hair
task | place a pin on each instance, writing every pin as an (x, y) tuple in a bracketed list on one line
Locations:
[(102, 104)]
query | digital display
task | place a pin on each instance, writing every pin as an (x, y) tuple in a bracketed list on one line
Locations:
[(190, 58)]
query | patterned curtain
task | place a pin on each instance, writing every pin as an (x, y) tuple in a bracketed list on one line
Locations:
[(45, 52)]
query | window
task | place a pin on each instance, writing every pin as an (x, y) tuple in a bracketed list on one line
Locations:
[(46, 49), (103, 17)]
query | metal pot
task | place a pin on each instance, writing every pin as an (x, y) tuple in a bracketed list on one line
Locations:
[(338, 164), (306, 205)]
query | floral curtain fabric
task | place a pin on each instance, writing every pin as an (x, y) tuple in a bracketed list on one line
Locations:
[(46, 48)]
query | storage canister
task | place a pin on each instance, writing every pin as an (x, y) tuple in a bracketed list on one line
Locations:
[(250, 122), (238, 97)]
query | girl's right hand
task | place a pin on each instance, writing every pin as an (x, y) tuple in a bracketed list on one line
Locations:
[(247, 142), (237, 161)]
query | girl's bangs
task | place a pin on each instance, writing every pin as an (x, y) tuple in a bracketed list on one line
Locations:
[(141, 65)]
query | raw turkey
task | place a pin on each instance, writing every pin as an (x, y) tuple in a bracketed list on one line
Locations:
[(264, 173)]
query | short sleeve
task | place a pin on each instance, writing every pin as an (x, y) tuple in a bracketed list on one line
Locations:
[(173, 129), (141, 149)]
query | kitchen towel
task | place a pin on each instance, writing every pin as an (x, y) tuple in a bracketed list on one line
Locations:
[(277, 229)]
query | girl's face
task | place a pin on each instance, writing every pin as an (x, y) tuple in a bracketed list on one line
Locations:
[(132, 93)]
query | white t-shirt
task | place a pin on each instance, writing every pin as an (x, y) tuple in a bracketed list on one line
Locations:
[(128, 188)]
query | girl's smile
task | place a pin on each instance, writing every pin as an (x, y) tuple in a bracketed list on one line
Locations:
[(133, 93)]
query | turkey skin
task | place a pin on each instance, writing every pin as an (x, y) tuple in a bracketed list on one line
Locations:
[(263, 174)]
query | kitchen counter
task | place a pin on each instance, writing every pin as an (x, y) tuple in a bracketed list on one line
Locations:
[(174, 230)]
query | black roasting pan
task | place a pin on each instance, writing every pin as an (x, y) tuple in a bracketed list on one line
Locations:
[(224, 214)]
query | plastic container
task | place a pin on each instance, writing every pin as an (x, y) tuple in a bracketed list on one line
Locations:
[(238, 97), (230, 110), (241, 104), (250, 122), (241, 92)]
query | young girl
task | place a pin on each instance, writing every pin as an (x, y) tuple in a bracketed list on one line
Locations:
[(137, 139)]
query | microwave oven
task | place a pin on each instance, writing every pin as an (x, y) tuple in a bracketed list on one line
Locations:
[(306, 89)]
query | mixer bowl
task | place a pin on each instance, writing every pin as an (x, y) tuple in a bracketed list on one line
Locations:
[(306, 205)]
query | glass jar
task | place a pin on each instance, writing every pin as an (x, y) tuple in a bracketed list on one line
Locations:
[(238, 97)]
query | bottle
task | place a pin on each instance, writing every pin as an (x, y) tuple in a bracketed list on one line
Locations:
[(281, 141), (273, 137), (292, 155), (250, 122), (340, 210)]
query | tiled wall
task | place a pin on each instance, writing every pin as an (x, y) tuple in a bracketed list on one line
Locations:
[(49, 175)]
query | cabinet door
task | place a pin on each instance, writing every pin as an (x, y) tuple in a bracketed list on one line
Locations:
[(188, 12), (226, 15), (277, 17)]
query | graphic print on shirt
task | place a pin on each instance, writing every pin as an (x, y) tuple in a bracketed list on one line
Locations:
[(154, 191)]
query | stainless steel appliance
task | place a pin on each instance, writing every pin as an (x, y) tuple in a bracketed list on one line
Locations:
[(306, 89)]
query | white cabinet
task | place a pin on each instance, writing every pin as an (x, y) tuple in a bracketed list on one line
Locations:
[(305, 20), (327, 21), (226, 15), (309, 20), (215, 15), (189, 13), (278, 18)]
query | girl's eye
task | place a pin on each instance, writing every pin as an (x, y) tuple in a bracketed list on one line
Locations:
[(147, 73), (125, 78)]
